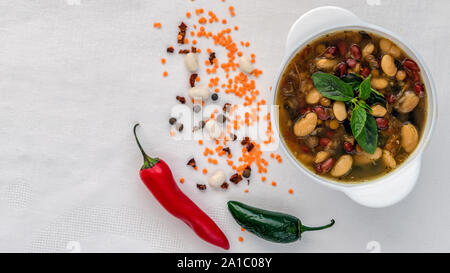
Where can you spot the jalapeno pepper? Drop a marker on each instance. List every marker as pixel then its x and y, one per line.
pixel 269 225
pixel 158 178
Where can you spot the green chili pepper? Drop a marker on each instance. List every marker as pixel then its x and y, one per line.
pixel 270 225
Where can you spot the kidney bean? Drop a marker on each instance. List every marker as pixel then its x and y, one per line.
pixel 321 112
pixel 382 123
pixel 303 111
pixel 355 50
pixel 416 77
pixel 348 147
pixel 351 63
pixel 330 52
pixel 342 69
pixel 411 65
pixel 327 165
pixel 330 133
pixel 365 72
pixel 305 149
pixel 419 89
pixel 391 98
pixel 318 168
pixel 342 47
pixel 324 141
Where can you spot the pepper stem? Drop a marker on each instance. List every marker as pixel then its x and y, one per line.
pixel 306 228
pixel 149 162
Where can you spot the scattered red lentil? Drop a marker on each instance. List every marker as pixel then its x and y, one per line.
pixel 291 191
pixel 241 239
pixel 157 25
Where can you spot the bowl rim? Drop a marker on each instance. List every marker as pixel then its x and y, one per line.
pixel 431 104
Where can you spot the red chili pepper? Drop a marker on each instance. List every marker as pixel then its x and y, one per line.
pixel 158 178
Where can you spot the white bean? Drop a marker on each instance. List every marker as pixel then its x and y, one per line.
pixel 199 92
pixel 191 61
pixel 342 166
pixel 339 110
pixel 363 158
pixel 407 102
pixel 388 65
pixel 245 65
pixel 378 111
pixel 409 137
pixel 305 125
pixel 213 129
pixel 389 160
pixel 217 179
pixel 313 96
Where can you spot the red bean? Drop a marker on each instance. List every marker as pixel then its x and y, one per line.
pixel 330 133
pixel 391 99
pixel 351 63
pixel 348 147
pixel 303 111
pixel 324 141
pixel 355 50
pixel 330 52
pixel 365 72
pixel 419 89
pixel 327 165
pixel 342 47
pixel 416 76
pixel 318 168
pixel 382 123
pixel 342 69
pixel 305 149
pixel 321 113
pixel 411 65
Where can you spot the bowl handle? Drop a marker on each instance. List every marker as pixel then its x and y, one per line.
pixel 390 191
pixel 317 20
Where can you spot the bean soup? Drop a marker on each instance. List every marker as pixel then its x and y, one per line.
pixel 352 106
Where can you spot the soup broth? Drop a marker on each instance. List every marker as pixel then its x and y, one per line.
pixel 317 129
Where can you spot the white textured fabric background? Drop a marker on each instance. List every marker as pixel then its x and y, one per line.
pixel 75 75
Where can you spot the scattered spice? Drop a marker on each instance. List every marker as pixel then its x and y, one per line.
pixel 247 171
pixel 182 33
pixel 192 163
pixel 227 107
pixel 172 121
pixel 183 51
pixel 192 79
pixel 201 187
pixel 236 178
pixel 170 49
pixel 212 56
pixel 181 99
pixel 227 150
pixel 180 127
pixel 224 185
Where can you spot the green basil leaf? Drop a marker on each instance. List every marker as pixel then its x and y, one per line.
pixel 332 87
pixel 364 105
pixel 368 138
pixel 353 79
pixel 375 98
pixel 358 120
pixel 377 92
pixel 365 89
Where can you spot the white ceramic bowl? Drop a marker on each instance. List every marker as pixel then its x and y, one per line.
pixel 396 185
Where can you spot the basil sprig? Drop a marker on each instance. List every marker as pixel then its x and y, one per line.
pixel 364 126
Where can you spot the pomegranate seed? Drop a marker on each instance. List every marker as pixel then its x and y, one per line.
pixel 330 52
pixel 382 123
pixel 305 149
pixel 348 147
pixel 342 46
pixel 365 72
pixel 390 99
pixel 324 141
pixel 342 69
pixel 321 113
pixel 419 89
pixel 327 164
pixel 411 65
pixel 355 50
pixel 351 63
